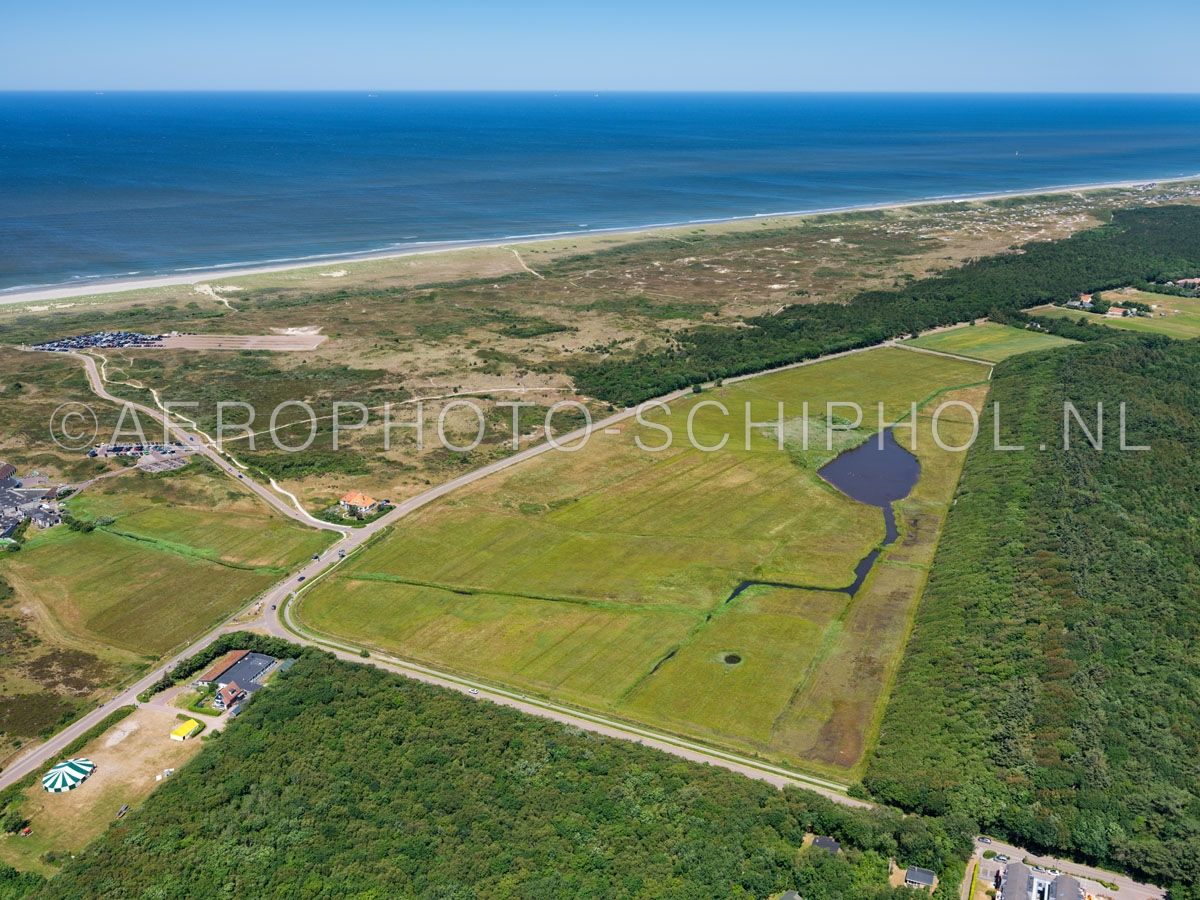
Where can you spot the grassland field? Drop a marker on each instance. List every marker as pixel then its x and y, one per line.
pixel 1176 317
pixel 128 756
pixel 87 610
pixel 988 341
pixel 184 551
pixel 600 578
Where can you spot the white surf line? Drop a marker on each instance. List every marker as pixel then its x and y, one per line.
pixel 192 275
pixel 514 252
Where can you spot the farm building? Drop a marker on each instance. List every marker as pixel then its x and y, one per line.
pixel 185 730
pixel 245 667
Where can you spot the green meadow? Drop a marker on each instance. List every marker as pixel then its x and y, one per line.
pixel 183 551
pixel 1177 317
pixel 603 577
pixel 988 341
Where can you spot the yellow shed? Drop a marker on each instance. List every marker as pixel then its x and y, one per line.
pixel 185 730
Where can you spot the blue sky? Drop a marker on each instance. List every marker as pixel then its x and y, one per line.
pixel 919 45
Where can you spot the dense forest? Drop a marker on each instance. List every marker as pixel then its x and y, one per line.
pixel 341 780
pixel 1139 245
pixel 1052 683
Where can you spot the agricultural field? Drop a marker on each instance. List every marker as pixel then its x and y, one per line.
pixel 988 341
pixel 183 550
pixel 46 676
pixel 606 577
pixel 1177 317
pixel 82 611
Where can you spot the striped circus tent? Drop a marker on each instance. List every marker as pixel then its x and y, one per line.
pixel 67 775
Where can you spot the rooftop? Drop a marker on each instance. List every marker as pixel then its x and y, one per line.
pixel 917 875
pixel 219 667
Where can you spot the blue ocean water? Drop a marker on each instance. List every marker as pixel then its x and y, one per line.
pixel 105 185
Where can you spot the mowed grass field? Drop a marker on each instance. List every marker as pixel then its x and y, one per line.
pixel 602 578
pixel 988 341
pixel 1177 317
pixel 184 551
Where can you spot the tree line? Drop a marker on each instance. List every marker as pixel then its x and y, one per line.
pixel 342 780
pixel 1138 245
pixel 1052 683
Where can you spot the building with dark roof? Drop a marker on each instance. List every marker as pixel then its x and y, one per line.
pixel 228 695
pixel 220 667
pixel 916 877
pixel 1064 887
pixel 1018 882
pixel 1023 883
pixel 828 844
pixel 245 667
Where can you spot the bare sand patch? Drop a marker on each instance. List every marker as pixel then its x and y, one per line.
pixel 128 757
pixel 277 342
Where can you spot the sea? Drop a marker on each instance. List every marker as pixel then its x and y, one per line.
pixel 114 186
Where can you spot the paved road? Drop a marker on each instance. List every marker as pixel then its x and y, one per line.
pixel 275 616
pixel 190 439
pixel 1090 877
pixel 352 539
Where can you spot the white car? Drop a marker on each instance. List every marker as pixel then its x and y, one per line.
pixel 473 692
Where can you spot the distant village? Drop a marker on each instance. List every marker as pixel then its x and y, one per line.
pixel 27 500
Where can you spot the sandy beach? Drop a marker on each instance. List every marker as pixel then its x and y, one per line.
pixel 201 275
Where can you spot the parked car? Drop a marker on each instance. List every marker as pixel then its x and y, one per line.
pixel 301 578
pixel 984 840
pixel 124 809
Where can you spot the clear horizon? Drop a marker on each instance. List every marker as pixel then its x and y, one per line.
pixel 531 45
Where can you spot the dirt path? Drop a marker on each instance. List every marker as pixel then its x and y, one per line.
pixel 517 254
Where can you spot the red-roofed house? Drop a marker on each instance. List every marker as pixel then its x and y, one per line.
pixel 228 696
pixel 357 503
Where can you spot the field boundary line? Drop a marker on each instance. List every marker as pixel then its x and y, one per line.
pixel 448 679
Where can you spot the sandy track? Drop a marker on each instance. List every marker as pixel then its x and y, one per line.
pixel 280 342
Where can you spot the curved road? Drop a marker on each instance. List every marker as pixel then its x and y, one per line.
pixel 189 439
pixel 352 539
pixel 279 598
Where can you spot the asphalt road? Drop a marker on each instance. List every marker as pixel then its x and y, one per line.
pixel 190 439
pixel 275 617
pixel 36 756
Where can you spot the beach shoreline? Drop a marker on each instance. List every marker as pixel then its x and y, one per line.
pixel 198 275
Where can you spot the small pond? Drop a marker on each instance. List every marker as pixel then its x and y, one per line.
pixel 877 473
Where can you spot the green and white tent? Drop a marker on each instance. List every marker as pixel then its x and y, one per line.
pixel 67 775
